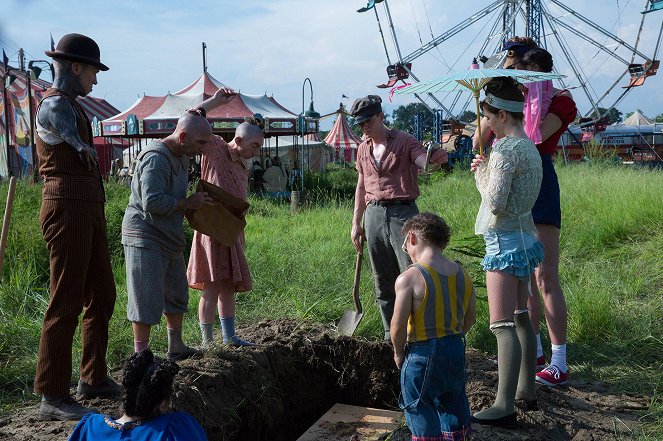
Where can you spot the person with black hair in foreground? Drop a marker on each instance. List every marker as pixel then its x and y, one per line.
pixel 147 385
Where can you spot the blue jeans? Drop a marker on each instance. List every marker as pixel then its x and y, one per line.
pixel 433 388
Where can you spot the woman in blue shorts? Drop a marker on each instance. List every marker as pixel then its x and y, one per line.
pixel 509 183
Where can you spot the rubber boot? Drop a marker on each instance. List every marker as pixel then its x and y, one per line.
pixel 526 389
pixel 502 413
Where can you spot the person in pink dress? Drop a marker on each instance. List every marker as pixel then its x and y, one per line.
pixel 217 270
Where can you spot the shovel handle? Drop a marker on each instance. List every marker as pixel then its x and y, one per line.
pixel 7 217
pixel 355 286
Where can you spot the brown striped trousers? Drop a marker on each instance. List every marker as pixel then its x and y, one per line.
pixel 81 281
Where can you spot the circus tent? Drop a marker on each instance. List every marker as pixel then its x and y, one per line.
pixel 20 146
pixel 156 116
pixel 343 138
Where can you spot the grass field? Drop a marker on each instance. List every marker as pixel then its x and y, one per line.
pixel 302 265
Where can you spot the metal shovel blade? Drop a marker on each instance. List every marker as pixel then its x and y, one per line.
pixel 351 319
pixel 349 322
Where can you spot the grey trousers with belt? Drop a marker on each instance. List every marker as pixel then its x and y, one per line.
pixel 382 225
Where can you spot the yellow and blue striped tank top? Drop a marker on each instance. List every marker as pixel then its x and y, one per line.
pixel 443 307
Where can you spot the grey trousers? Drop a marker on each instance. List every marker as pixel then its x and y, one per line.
pixel 384 240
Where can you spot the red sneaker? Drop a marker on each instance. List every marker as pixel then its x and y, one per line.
pixel 540 363
pixel 552 376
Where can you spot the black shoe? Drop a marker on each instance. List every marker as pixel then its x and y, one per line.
pixel 187 353
pixel 528 405
pixel 506 422
pixel 62 409
pixel 107 389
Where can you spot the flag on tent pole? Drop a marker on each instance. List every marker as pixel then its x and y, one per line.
pixel 370 5
pixel 52 43
pixel 345 96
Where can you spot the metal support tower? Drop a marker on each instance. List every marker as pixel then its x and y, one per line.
pixel 508 23
pixel 534 14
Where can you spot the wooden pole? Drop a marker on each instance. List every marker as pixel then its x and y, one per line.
pixel 7 217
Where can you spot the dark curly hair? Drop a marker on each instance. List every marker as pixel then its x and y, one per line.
pixel 507 89
pixel 540 57
pixel 430 228
pixel 147 381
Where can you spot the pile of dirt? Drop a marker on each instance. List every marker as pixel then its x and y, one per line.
pixel 280 388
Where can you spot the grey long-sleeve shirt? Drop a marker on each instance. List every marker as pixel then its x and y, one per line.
pixel 151 219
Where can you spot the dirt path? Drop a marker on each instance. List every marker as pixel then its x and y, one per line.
pixel 277 390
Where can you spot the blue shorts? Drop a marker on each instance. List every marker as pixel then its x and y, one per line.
pixel 547 209
pixel 514 253
pixel 433 394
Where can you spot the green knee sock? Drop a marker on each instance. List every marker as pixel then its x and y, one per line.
pixel 508 354
pixel 207 332
pixel 526 389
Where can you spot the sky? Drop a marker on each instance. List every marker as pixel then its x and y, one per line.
pixel 154 46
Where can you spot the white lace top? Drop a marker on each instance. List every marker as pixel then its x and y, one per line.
pixel 509 185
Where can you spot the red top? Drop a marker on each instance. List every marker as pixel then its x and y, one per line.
pixel 565 108
pixel 396 177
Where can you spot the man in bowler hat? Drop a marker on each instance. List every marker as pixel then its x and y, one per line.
pixel 388 162
pixel 74 228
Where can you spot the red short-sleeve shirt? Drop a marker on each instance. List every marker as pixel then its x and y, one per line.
pixel 396 176
pixel 565 109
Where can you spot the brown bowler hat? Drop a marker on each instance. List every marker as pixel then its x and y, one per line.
pixel 77 47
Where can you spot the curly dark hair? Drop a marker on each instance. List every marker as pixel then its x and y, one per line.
pixel 147 381
pixel 430 228
pixel 506 88
pixel 540 57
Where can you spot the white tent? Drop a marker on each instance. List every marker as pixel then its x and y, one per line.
pixel 637 119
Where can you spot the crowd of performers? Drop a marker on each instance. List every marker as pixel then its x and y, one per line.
pixel 427 302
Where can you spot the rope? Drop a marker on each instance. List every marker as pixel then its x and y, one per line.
pixel 430 28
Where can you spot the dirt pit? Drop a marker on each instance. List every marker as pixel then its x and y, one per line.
pixel 277 390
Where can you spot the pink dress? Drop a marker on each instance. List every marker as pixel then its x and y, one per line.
pixel 210 260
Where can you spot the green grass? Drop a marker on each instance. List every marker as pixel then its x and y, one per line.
pixel 303 267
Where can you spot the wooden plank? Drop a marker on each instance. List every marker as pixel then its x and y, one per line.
pixel 344 422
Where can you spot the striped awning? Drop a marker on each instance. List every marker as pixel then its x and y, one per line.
pixel 341 135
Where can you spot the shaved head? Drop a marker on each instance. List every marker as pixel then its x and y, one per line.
pixel 193 125
pixel 248 140
pixel 249 131
pixel 192 134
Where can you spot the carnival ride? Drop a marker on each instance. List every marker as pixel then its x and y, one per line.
pixel 552 25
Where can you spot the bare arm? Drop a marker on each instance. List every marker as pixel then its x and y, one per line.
pixel 486 134
pixel 402 307
pixel 221 97
pixel 56 114
pixel 549 125
pixel 437 158
pixel 357 233
pixel 470 313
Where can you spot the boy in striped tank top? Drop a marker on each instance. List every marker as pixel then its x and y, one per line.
pixel 434 309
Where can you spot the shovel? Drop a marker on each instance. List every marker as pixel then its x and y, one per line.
pixel 351 319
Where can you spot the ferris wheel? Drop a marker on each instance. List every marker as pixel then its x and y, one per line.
pixel 552 25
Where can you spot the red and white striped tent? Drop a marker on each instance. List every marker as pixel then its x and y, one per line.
pixel 343 139
pixel 20 147
pixel 156 116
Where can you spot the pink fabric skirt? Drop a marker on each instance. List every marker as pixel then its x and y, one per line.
pixel 211 261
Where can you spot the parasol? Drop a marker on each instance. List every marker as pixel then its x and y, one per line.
pixel 474 80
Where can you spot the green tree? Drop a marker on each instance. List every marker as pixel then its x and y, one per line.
pixel 614 115
pixel 403 118
pixel 468 116
pixel 659 118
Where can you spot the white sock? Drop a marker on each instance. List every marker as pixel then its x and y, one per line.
pixel 559 357
pixel 539 348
